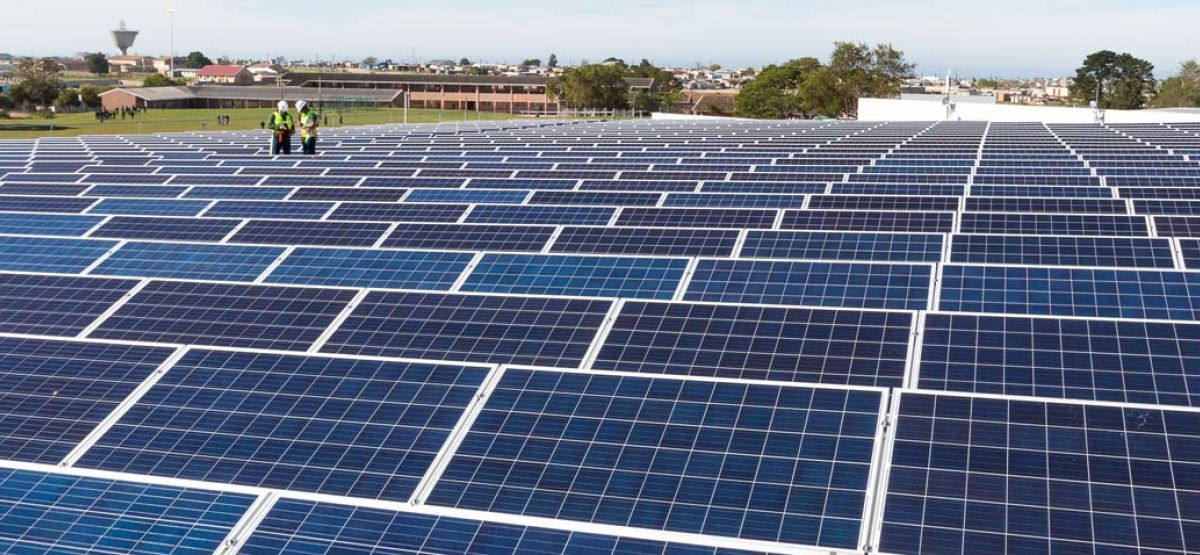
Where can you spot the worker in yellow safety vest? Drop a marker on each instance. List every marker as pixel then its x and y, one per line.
pixel 282 126
pixel 308 127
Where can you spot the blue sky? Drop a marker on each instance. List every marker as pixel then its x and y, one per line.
pixel 1001 38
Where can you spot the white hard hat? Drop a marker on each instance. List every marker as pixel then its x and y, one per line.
pixel 282 105
pixel 300 104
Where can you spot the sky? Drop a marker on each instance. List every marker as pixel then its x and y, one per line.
pixel 1009 38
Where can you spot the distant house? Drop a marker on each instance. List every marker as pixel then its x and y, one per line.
pixel 265 73
pixel 224 75
pixel 162 64
pixel 123 64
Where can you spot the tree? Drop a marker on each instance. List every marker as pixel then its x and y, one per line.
pixel 90 96
pixel 370 61
pixel 714 67
pixel 774 93
pixel 38 81
pixel 196 60
pixel 601 87
pixel 553 62
pixel 97 63
pixel 1118 81
pixel 67 98
pixel 157 80
pixel 464 62
pixel 861 71
pixel 532 62
pixel 1182 90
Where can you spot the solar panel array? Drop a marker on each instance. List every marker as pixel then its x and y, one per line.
pixel 606 337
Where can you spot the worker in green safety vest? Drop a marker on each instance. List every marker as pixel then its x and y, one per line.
pixel 281 124
pixel 308 127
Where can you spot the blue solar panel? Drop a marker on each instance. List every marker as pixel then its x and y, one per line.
pixel 592 276
pixel 189 261
pixel 818 245
pixel 1102 360
pixel 430 270
pixel 467 196
pixel 266 193
pixel 850 220
pixel 233 315
pixel 294 526
pixel 991 475
pixel 341 234
pixel 159 191
pixel 327 425
pixel 760 462
pixel 469 237
pixel 1071 292
pixel 44 514
pixel 149 207
pixel 53 393
pixel 540 214
pixel 59 255
pixel 171 229
pixel 56 305
pixel 697 217
pixel 12 203
pixel 268 209
pixel 651 241
pixel 734 200
pixel 1054 224
pixel 831 284
pixel 346 193
pixel 405 212
pixel 1134 252
pixel 46 224
pixel 471 328
pixel 771 343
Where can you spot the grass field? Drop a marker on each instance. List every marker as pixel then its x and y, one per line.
pixel 160 121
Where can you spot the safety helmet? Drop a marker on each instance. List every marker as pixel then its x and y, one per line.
pixel 282 106
pixel 300 104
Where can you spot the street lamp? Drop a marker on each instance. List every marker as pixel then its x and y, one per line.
pixel 171 17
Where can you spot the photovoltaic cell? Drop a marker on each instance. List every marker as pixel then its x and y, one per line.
pixel 57 255
pixel 470 237
pixel 540 214
pixel 649 241
pixel 46 224
pixel 471 328
pixel 821 245
pixel 831 284
pixel 340 234
pixel 405 212
pixel 1134 252
pixel 168 229
pixel 232 315
pixel 766 462
pixel 431 270
pixel 56 305
pixel 697 217
pixel 1054 224
pixel 189 261
pixel 850 220
pixel 148 207
pixel 361 428
pixel 592 276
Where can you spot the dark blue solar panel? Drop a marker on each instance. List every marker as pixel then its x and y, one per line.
pixel 42 189
pixel 850 220
pixel 294 526
pixel 697 217
pixel 171 229
pixel 405 212
pixel 832 284
pixel 883 202
pixel 46 224
pixel 470 237
pixel 149 207
pixel 13 203
pixel 189 261
pixel 1102 360
pixel 734 200
pixel 471 328
pixel 342 234
pixel 467 196
pixel 345 193
pixel 267 317
pixel 881 247
pixel 620 198
pixel 1071 292
pixel 987 475
pixel 782 344
pixel 53 393
pixel 430 270
pixel 56 305
pixel 268 209
pixel 59 514
pixel 161 191
pixel 1054 224
pixel 478 183
pixel 266 193
pixel 362 428
pixel 1134 252
pixel 545 215
pixel 652 241
pixel 767 462
pixel 592 276
pixel 59 255
pixel 1055 205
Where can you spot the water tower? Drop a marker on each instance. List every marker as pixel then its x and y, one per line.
pixel 123 38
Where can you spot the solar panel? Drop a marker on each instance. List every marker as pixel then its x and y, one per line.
pixel 765 462
pixel 1054 224
pixel 647 241
pixel 361 428
pixel 593 276
pixel 29 203
pixel 539 214
pixel 189 261
pixel 820 245
pixel 53 393
pixel 831 284
pixel 232 315
pixel 1134 252
pixel 469 237
pixel 268 209
pixel 378 212
pixel 282 232
pixel 66 514
pixel 148 207
pixel 696 217
pixel 57 255
pixel 849 220
pixel 541 331
pixel 429 270
pixel 991 475
pixel 56 305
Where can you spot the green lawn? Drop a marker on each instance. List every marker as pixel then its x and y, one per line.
pixel 160 121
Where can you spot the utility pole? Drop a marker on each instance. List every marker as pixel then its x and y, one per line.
pixel 171 22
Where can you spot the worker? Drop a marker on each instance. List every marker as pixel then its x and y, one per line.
pixel 308 127
pixel 281 124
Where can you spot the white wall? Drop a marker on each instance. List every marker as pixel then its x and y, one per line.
pixel 879 109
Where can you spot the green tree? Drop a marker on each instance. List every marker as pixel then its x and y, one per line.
pixel 464 62
pixel 599 86
pixel 67 98
pixel 774 93
pixel 1181 90
pixel 714 67
pixel 38 82
pixel 370 61
pixel 97 63
pixel 196 60
pixel 532 62
pixel 1118 81
pixel 553 62
pixel 91 95
pixel 159 80
pixel 861 71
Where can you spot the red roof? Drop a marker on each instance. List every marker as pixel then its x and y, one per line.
pixel 220 71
